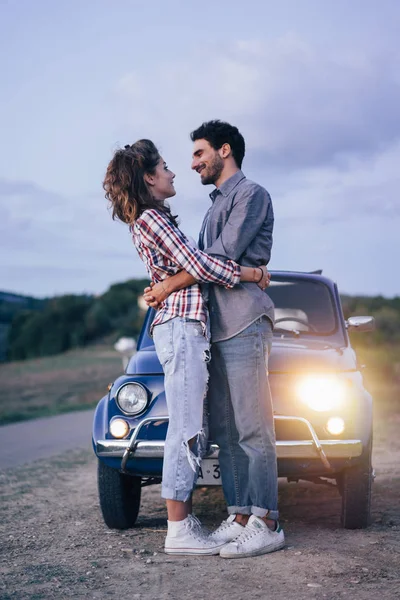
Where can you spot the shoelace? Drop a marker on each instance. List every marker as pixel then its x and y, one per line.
pixel 195 521
pixel 194 526
pixel 247 534
pixel 224 525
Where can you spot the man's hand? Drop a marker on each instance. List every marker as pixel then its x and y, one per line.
pixel 265 280
pixel 156 294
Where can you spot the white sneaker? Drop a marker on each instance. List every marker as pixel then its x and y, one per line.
pixel 227 531
pixel 257 538
pixel 186 537
pixel 199 526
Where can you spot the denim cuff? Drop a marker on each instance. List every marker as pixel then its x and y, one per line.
pixel 239 510
pixel 171 494
pixel 257 511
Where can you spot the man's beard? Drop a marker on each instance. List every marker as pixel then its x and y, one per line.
pixel 214 170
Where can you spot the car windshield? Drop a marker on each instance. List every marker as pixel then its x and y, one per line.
pixel 303 307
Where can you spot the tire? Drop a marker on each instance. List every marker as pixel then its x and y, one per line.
pixel 119 497
pixel 355 486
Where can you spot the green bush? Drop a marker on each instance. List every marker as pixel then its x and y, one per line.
pixel 69 321
pixel 386 312
pixel 45 327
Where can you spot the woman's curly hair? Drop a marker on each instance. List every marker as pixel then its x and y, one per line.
pixel 125 186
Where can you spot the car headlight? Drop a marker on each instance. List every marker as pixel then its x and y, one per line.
pixel 132 398
pixel 322 393
pixel 119 428
pixel 335 425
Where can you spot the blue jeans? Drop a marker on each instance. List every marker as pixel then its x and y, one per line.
pixel 241 420
pixel 184 351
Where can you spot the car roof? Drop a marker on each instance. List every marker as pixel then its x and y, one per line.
pixel 302 275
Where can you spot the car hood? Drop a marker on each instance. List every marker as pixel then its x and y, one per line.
pixel 287 356
pixel 291 355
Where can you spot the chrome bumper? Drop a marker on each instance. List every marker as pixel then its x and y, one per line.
pixel 299 449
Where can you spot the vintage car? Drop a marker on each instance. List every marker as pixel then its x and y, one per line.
pixel 322 411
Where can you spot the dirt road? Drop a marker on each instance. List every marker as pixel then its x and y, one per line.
pixel 54 543
pixel 22 443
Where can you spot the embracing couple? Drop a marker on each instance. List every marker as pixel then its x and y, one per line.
pixel 214 289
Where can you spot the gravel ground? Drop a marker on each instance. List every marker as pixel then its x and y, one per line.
pixel 54 543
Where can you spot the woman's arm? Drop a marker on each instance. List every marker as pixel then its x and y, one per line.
pixel 159 292
pixel 159 235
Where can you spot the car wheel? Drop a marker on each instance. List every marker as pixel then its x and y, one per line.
pixel 119 496
pixel 355 487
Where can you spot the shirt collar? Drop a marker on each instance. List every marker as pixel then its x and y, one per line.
pixel 226 188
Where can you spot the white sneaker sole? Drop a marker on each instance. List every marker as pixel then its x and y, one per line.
pixel 259 552
pixel 194 551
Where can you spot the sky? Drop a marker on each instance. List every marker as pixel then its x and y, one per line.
pixel 313 86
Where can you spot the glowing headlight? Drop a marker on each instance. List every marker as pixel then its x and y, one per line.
pixel 335 425
pixel 322 393
pixel 132 398
pixel 119 428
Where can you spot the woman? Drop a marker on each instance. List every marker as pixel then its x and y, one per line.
pixel 137 184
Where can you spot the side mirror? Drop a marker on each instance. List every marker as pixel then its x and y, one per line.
pixel 360 324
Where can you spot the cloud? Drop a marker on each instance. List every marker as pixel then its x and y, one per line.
pixel 60 244
pixel 297 106
pixel 322 134
pixel 366 188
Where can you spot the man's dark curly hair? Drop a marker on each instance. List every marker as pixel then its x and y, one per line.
pixel 217 133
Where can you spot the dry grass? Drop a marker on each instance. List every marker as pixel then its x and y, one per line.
pixel 78 379
pixel 55 384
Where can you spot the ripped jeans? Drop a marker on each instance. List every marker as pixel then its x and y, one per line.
pixel 184 352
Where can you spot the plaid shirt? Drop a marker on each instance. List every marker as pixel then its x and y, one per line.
pixel 165 251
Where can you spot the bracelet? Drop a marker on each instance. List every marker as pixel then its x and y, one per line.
pixel 165 291
pixel 262 274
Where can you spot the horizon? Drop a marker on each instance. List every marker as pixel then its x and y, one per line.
pixel 96 295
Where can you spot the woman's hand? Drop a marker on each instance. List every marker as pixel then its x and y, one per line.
pixel 155 295
pixel 265 279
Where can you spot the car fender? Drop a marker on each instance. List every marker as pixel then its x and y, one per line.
pixel 100 421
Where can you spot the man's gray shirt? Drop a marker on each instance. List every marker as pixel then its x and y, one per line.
pixel 238 226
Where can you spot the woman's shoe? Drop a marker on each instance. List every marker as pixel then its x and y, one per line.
pixel 186 537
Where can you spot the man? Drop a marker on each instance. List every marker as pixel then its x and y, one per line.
pixel 238 226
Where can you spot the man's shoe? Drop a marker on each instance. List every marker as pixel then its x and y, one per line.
pixel 257 538
pixel 227 531
pixel 186 537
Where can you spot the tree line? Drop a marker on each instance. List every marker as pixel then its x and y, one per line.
pixel 31 328
pixel 386 312
pixel 58 324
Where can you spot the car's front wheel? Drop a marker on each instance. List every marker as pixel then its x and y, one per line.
pixel 119 496
pixel 355 487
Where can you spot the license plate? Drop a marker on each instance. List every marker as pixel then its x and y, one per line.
pixel 209 473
